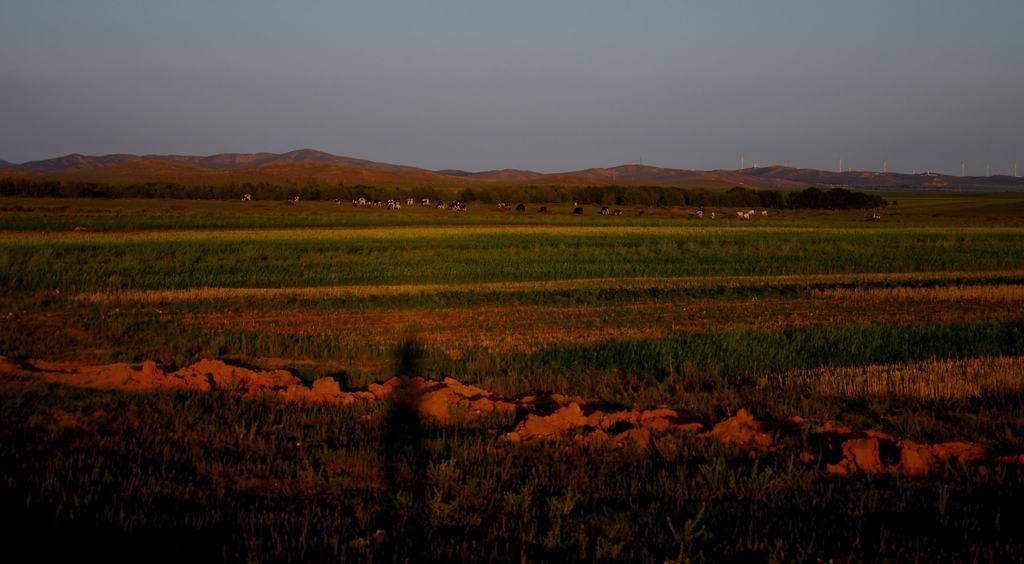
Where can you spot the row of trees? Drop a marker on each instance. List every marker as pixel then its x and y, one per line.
pixel 837 198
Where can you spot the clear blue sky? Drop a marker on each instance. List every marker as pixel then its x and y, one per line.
pixel 546 85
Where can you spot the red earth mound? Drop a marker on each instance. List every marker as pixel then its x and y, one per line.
pixel 844 451
pixel 437 400
pixel 864 455
pixel 600 427
pixel 741 429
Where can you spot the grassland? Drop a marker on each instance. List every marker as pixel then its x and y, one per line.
pixel 912 325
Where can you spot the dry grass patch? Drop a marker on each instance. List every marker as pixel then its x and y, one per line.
pixel 930 380
pixel 982 292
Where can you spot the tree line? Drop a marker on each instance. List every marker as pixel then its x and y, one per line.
pixel 809 198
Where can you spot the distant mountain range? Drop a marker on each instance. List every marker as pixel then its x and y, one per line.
pixel 310 165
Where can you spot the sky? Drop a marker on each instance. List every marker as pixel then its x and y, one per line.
pixel 543 85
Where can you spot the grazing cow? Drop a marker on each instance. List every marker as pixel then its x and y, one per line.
pixel 361 201
pixel 337 201
pixel 521 207
pixel 700 214
pixel 377 204
pixel 409 201
pixel 293 199
pixel 764 213
pixel 503 206
pixel 425 202
pixel 543 209
pixel 439 205
pixel 246 197
pixel 604 210
pixel 577 211
pixel 875 217
pixel 616 211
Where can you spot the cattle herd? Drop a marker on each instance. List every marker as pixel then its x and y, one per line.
pixel 458 205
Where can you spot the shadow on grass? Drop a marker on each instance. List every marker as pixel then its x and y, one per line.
pixel 405 461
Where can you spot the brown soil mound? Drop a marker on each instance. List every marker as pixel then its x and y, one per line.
pixel 859 455
pixel 597 427
pixel 205 375
pixel 843 450
pixel 594 426
pixel 741 429
pixel 437 400
pixel 864 455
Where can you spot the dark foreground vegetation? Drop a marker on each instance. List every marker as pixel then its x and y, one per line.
pixel 207 476
pixel 811 198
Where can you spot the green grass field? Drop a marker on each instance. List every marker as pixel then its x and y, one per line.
pixel 707 316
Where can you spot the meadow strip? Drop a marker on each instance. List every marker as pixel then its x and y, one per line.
pixel 445 232
pixel 488 256
pixel 1004 292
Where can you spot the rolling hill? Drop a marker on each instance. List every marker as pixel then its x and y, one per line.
pixel 306 165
